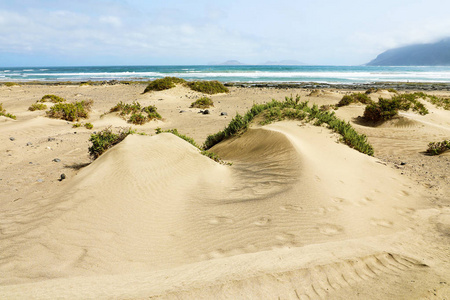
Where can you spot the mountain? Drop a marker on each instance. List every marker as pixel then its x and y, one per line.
pixel 232 63
pixel 288 62
pixel 434 54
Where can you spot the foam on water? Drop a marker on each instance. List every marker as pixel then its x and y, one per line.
pixel 330 74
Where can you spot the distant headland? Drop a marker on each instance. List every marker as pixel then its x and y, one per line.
pixel 433 54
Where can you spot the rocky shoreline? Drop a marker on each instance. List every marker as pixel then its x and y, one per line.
pixel 422 86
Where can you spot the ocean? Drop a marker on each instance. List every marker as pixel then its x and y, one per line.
pixel 246 73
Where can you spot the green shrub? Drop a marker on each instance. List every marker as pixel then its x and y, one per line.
pixel 5 114
pixel 70 111
pixel 354 98
pixel 203 102
pixel 386 109
pixel 106 139
pixel 88 126
pixel 37 106
pixel 137 119
pixel 52 98
pixel 292 109
pixel 163 84
pixel 135 113
pixel 9 84
pixel 436 148
pixel 76 125
pixel 208 87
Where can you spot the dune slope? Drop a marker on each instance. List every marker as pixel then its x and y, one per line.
pixel 297 215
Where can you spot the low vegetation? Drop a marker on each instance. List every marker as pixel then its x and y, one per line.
pixel 37 106
pixel 386 109
pixel 106 139
pixel 292 109
pixel 354 98
pixel 203 102
pixel 435 100
pixel 208 87
pixel 5 114
pixel 52 98
pixel 88 126
pixel 436 148
pixel 9 84
pixel 163 84
pixel 135 113
pixel 76 125
pixel 190 140
pixel 70 111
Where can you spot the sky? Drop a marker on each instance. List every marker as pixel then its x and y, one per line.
pixel 197 32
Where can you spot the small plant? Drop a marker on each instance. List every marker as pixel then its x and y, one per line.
pixel 70 111
pixel 208 87
pixel 10 84
pixel 5 114
pixel 354 98
pixel 137 119
pixel 88 126
pixel 37 106
pixel 391 90
pixel 386 109
pixel 135 113
pixel 436 148
pixel 106 139
pixel 76 125
pixel 203 102
pixel 52 98
pixel 163 84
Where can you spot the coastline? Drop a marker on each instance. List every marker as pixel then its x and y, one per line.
pixel 401 86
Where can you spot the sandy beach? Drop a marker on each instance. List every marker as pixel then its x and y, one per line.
pixel 297 214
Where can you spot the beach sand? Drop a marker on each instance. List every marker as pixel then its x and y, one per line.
pixel 298 215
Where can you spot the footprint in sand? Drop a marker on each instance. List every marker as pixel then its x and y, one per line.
pixel 330 229
pixel 291 207
pixel 285 237
pixel 263 221
pixel 381 222
pixel 220 220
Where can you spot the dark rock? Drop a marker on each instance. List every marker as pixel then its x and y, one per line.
pixel 56 160
pixel 75 132
pixel 51 139
pixel 30 163
pixel 62 177
pixel 200 111
pixel 182 111
pixel 29 144
pixel 12 139
pixel 223 114
pixel 206 112
pixel 402 163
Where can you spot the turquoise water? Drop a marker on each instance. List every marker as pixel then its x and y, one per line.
pixel 323 74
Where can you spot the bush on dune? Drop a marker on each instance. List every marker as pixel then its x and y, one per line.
pixel 203 102
pixel 52 98
pixel 106 139
pixel 5 114
pixel 292 109
pixel 208 87
pixel 37 106
pixel 354 98
pixel 70 111
pixel 136 113
pixel 163 84
pixel 436 148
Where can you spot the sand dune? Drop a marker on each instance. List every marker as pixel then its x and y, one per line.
pixel 297 215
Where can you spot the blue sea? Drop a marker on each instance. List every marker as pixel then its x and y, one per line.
pixel 246 73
